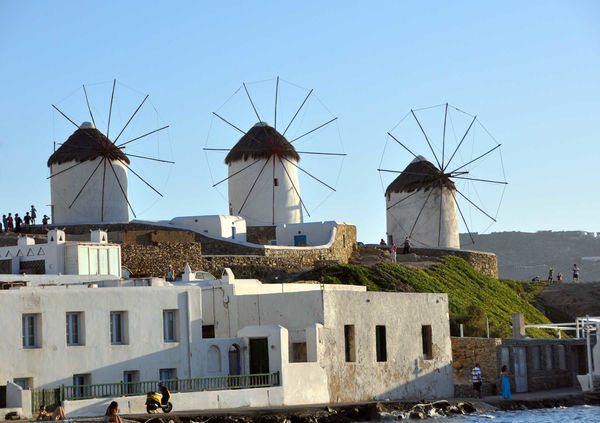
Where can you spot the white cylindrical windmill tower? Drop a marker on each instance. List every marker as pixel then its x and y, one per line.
pixel 421 205
pixel 88 179
pixel 263 178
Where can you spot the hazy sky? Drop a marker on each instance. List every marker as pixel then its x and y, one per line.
pixel 529 71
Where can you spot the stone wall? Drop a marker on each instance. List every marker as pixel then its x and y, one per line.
pixel 466 352
pixel 148 250
pixel 545 370
pixel 486 263
pixel 152 260
pixel 260 234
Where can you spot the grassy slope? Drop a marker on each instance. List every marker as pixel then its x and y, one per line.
pixel 472 295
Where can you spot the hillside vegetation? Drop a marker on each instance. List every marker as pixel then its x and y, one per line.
pixel 472 295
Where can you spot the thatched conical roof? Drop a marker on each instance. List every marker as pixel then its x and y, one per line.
pixel 86 143
pixel 261 141
pixel 419 174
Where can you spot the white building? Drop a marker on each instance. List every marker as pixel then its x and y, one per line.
pixel 306 234
pixel 224 226
pixel 84 187
pixel 321 343
pixel 60 257
pixel 421 204
pixel 263 178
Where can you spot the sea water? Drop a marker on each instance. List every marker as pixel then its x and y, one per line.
pixel 581 414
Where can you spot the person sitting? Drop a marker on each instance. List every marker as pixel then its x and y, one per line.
pixel 57 414
pixel 112 413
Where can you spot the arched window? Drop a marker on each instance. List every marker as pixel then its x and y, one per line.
pixel 213 359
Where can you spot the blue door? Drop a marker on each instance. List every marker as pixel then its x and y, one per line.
pixel 299 240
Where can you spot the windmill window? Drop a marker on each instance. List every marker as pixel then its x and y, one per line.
pixel 275 182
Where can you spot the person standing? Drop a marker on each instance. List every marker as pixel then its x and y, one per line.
pixel 9 221
pixel 33 214
pixel 505 382
pixel 575 273
pixel 406 246
pixel 551 275
pixel 559 277
pixel 170 276
pixel 5 223
pixel 18 222
pixel 27 220
pixel 393 252
pixel 45 221
pixel 477 381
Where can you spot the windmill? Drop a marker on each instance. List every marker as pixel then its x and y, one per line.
pixel 89 171
pixel 424 201
pixel 263 166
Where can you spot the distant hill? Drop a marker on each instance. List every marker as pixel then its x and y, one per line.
pixel 524 255
pixel 472 295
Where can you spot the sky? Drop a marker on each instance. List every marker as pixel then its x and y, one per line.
pixel 528 70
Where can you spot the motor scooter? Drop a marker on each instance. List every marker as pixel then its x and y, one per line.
pixel 154 401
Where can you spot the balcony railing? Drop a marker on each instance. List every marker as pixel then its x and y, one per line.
pixel 212 383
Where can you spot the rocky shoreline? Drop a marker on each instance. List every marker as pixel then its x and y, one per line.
pixel 372 411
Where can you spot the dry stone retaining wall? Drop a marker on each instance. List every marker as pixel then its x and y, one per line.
pixel 486 263
pixel 466 352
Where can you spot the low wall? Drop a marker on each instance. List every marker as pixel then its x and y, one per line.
pixel 466 352
pixel 185 401
pixel 486 263
pixel 148 249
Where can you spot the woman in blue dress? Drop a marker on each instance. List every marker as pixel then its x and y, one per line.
pixel 505 383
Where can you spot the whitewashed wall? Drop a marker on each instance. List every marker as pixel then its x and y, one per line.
pixel 218 225
pixel 55 363
pixel 258 209
pixel 317 233
pixel 406 374
pixel 87 208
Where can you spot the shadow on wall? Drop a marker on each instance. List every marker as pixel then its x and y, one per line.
pixel 425 385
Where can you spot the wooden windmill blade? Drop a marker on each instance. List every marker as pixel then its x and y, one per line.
pixel 87 144
pixel 262 150
pixel 424 200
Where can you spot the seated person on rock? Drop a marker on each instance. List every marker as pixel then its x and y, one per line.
pixel 57 414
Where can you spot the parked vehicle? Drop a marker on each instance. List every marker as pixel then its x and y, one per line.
pixel 155 401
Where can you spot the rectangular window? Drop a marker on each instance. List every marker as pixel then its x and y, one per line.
pixel 562 360
pixel 93 261
pixel 168 374
pixel 350 347
pixel 427 342
pixel 74 328
pixel 208 331
pixel 30 324
pixel 118 326
pixel 103 261
pixel 81 381
pixel 170 325
pixel 130 377
pixel 380 343
pixel 548 357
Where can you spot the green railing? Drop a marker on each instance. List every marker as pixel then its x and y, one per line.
pixel 213 383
